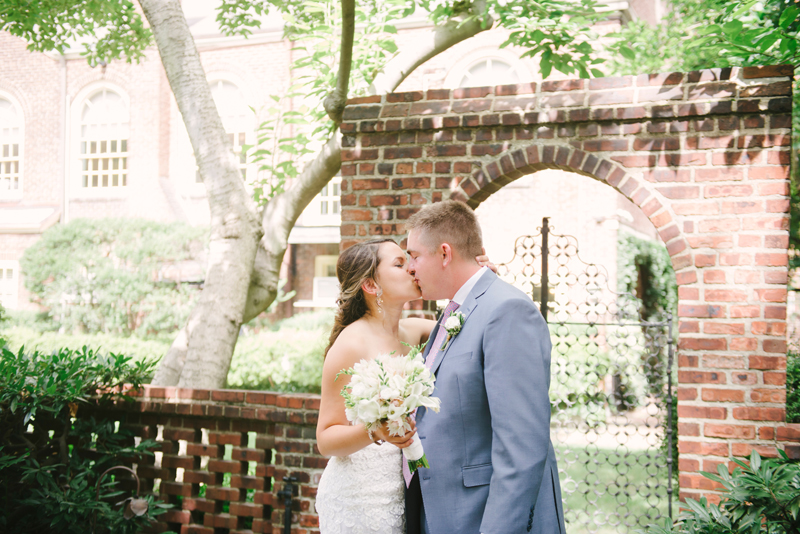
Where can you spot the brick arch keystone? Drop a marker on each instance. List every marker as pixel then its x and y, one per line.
pixel 704 154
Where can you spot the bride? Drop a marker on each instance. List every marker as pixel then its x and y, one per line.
pixel 362 490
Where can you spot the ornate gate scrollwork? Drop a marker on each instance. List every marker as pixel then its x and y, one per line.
pixel 611 388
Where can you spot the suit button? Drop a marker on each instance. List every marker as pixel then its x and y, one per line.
pixel 426 478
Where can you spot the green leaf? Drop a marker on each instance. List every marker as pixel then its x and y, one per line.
pixel 789 16
pixel 627 53
pixel 732 28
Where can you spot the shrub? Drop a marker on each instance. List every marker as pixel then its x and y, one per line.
pixel 114 275
pixel 51 461
pixel 793 387
pixel 762 497
pixel 133 346
pixel 288 358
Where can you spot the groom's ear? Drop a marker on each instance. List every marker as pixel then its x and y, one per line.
pixel 446 253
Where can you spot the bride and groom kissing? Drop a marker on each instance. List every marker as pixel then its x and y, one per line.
pixel 492 465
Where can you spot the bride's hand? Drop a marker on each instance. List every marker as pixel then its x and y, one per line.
pixel 483 261
pixel 382 433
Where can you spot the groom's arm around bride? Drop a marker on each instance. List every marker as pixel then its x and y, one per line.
pixel 493 468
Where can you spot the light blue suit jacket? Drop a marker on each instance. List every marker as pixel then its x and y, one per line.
pixel 492 466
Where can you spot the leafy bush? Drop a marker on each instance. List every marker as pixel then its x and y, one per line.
pixel 763 497
pixel 288 358
pixel 133 346
pixel 114 275
pixel 52 462
pixel 793 387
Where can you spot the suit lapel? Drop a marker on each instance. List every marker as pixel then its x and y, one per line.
pixel 469 305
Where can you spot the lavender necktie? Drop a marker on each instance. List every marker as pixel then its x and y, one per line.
pixel 432 354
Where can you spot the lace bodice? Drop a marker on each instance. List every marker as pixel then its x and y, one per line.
pixel 363 493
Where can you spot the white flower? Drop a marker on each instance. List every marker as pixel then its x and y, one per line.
pixel 452 323
pixel 368 410
pixel 453 326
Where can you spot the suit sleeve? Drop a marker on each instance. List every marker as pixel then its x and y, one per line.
pixel 516 347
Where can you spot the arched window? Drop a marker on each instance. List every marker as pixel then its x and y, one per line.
pixel 104 141
pixel 237 119
pixel 10 144
pixel 489 71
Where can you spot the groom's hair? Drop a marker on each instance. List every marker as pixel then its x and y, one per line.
pixel 448 222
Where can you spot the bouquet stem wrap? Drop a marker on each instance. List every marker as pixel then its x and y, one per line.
pixel 415 454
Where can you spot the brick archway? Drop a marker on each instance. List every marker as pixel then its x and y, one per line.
pixel 509 166
pixel 705 155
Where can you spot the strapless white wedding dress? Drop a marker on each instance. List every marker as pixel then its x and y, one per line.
pixel 363 493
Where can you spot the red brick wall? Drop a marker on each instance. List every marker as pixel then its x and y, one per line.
pixel 704 155
pixel 283 429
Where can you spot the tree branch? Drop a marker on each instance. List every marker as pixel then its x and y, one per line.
pixel 439 39
pixel 335 102
pixel 282 212
pixel 280 216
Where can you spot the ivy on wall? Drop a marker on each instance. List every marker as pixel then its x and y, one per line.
pixel 644 270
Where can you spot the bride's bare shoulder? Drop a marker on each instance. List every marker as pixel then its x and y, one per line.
pixel 350 347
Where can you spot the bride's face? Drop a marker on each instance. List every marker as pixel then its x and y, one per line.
pixel 395 281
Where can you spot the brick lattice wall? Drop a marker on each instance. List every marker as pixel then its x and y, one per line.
pixel 214 438
pixel 705 155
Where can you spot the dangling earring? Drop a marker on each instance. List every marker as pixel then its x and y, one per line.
pixel 380 301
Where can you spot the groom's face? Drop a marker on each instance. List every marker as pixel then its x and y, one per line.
pixel 425 266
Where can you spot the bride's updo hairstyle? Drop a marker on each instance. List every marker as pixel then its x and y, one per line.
pixel 356 265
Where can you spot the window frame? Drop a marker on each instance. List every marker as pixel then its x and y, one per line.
pixel 462 66
pixel 77 190
pixel 12 301
pixel 15 194
pixel 185 164
pixel 313 216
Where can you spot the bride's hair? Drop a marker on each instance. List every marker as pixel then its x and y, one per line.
pixel 356 265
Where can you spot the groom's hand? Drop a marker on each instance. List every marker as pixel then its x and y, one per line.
pixel 382 432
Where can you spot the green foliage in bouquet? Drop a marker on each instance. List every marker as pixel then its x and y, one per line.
pixel 51 460
pixel 760 498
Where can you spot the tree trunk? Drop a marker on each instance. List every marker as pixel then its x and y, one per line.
pixel 213 326
pixel 244 267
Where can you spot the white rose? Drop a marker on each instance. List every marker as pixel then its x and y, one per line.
pixel 368 410
pixel 389 393
pixel 452 322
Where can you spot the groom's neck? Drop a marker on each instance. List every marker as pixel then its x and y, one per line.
pixel 460 272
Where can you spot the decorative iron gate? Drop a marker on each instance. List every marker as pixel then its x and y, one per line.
pixel 611 388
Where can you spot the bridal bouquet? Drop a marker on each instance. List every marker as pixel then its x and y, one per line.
pixel 387 389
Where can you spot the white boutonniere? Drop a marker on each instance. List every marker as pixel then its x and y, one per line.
pixel 453 326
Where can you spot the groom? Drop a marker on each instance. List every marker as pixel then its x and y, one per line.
pixel 492 465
